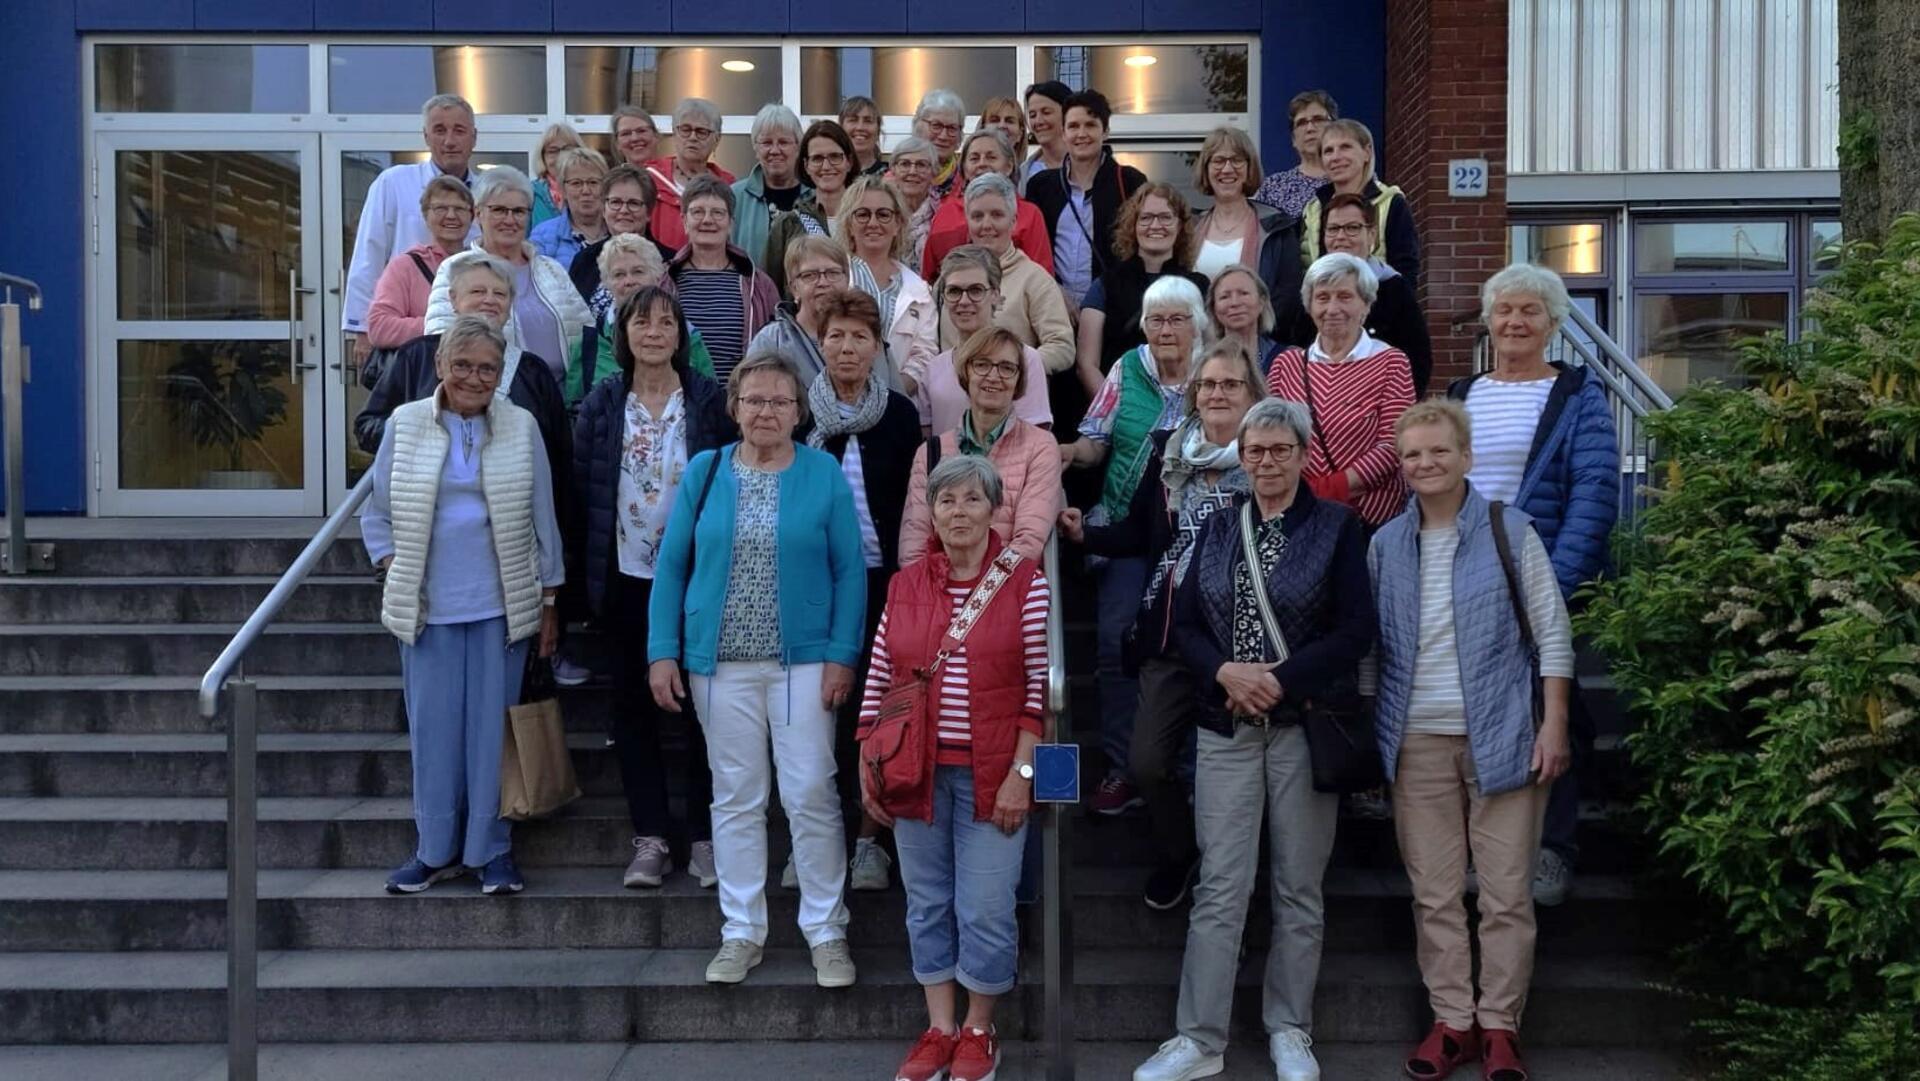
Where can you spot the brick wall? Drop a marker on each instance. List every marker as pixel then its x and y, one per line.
pixel 1447 99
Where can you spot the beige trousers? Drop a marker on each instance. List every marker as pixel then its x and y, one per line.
pixel 1440 817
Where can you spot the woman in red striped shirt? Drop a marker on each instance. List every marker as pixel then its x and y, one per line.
pixel 1354 386
pixel 983 719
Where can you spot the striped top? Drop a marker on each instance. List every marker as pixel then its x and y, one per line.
pixel 1355 403
pixel 711 299
pixel 952 717
pixel 1504 415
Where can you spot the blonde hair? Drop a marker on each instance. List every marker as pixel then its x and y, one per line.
pixel 1436 411
pixel 1358 132
pixel 984 341
pixel 563 131
pixel 807 244
pixel 575 156
pixel 860 189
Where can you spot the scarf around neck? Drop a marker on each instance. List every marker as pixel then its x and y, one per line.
pixel 1189 454
pixel 825 406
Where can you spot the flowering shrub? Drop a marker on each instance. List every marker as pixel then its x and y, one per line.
pixel 1767 634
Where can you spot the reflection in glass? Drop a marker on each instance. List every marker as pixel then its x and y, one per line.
pixel 1571 248
pixel 400 78
pixel 897 78
pixel 1169 166
pixel 1827 239
pixel 209 414
pixel 200 78
pixel 359 167
pixel 1152 78
pixel 206 234
pixel 738 79
pixel 1679 247
pixel 1686 338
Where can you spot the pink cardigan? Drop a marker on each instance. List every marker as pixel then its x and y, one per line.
pixel 398 313
pixel 1028 460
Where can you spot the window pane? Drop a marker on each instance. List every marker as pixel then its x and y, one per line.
pixel 1689 337
pixel 737 79
pixel 1153 78
pixel 400 78
pixel 734 154
pixel 896 78
pixel 1170 166
pixel 209 414
pixel 200 78
pixel 1678 247
pixel 206 234
pixel 1571 248
pixel 1827 239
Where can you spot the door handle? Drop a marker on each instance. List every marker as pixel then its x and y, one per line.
pixel 294 349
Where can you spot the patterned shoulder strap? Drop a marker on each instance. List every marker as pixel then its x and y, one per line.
pixel 996 575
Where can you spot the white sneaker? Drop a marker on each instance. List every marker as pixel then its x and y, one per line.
pixel 736 958
pixel 1552 879
pixel 1180 1059
pixel 868 868
pixel 568 674
pixel 1292 1059
pixel 833 964
pixel 789 878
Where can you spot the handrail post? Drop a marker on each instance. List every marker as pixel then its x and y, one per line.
pixel 12 385
pixel 1056 853
pixel 243 885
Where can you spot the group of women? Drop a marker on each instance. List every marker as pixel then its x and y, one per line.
pixel 807 486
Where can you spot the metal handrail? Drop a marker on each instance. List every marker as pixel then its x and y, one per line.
pixel 13 380
pixel 1056 903
pixel 243 808
pixel 1056 630
pixel 1642 382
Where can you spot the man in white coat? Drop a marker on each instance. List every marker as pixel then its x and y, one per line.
pixel 391 222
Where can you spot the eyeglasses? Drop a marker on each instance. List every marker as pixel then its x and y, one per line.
pixel 1228 161
pixel 776 143
pixel 624 205
pixel 975 293
pixel 509 211
pixel 486 373
pixel 1162 220
pixel 902 165
pixel 1311 121
pixel 1279 452
pixel 884 215
pixel 688 131
pixel 1353 228
pixel 590 183
pixel 822 275
pixel 1230 386
pixel 988 367
pixel 1167 322
pixel 706 213
pixel 942 127
pixel 763 405
pixel 440 209
pixel 815 161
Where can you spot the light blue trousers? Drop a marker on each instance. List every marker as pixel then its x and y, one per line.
pixel 459 679
pixel 960 875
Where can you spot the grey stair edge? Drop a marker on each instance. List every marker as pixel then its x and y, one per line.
pixel 190 682
pixel 31 581
pixel 205 742
pixel 37 630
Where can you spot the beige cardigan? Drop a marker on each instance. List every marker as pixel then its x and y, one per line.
pixel 1032 306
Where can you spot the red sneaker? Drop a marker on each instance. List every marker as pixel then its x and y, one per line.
pixel 976 1056
pixel 1502 1049
pixel 929 1059
pixel 1116 796
pixel 1442 1052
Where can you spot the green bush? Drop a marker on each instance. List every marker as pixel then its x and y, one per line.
pixel 1765 632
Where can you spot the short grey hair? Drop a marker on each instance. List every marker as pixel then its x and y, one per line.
pixel 501 180
pixel 445 101
pixel 940 100
pixel 1171 291
pixel 1531 280
pixel 468 330
pixel 774 117
pixel 999 139
pixel 1269 414
pixel 461 264
pixel 697 109
pixel 706 186
pixel 766 359
pixel 637 246
pixel 918 146
pixel 993 184
pixel 958 470
pixel 636 112
pixel 1333 266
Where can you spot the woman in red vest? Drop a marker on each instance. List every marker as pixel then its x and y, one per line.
pixel 982 718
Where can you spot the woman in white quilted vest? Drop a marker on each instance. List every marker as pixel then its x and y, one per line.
pixel 462 522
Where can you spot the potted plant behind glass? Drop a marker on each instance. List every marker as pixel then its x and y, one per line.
pixel 226 396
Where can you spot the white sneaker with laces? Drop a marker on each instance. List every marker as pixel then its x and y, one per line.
pixel 1552 879
pixel 833 964
pixel 1292 1056
pixel 1180 1059
pixel 868 868
pixel 652 863
pixel 736 958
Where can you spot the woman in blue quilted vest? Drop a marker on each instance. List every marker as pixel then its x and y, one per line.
pixel 1475 667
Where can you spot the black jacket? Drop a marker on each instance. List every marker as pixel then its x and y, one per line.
pixel 411 377
pixel 1112 183
pixel 598 432
pixel 1396 319
pixel 1280 265
pixel 1125 287
pixel 886 464
pixel 1147 532
pixel 585 269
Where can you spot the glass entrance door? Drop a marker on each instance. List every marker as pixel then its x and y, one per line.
pixel 207 388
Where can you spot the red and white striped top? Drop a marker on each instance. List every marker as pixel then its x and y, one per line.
pixel 1355 403
pixel 953 721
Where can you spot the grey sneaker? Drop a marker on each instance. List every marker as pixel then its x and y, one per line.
pixel 651 863
pixel 1552 879
pixel 1292 1056
pixel 868 869
pixel 833 964
pixel 736 958
pixel 568 674
pixel 700 864
pixel 1179 1059
pixel 789 878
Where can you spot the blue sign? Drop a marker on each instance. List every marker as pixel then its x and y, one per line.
pixel 1056 773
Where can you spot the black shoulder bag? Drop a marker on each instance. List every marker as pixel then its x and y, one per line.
pixel 1510 568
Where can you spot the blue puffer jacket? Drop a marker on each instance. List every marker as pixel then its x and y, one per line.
pixel 598 430
pixel 1571 487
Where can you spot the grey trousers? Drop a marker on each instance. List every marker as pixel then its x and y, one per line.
pixel 1259 771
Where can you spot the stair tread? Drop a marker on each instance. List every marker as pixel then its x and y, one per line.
pixel 202 742
pixel 191 682
pixel 44 630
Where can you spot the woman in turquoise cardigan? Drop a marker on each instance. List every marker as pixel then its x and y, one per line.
pixel 759 589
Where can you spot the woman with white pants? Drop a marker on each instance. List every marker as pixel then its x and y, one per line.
pixel 760 589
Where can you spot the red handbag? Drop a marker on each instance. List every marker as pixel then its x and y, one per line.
pixel 897 750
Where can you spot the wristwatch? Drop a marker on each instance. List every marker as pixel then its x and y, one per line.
pixel 1024 769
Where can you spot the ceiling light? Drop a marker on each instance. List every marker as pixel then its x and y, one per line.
pixel 739 66
pixel 1143 60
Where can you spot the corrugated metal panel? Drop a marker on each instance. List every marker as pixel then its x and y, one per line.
pixel 1604 86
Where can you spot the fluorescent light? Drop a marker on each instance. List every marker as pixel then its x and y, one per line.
pixel 1143 60
pixel 740 66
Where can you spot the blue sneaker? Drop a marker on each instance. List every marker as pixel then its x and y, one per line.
pixel 417 876
pixel 501 876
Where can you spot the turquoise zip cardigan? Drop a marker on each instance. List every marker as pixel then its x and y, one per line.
pixel 822 576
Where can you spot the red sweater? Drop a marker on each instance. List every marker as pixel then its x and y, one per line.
pixel 1355 403
pixel 948 230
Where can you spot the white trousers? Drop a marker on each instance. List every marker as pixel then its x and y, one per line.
pixel 761 718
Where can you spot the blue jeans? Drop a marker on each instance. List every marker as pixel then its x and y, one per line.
pixel 960 875
pixel 1121 582
pixel 459 679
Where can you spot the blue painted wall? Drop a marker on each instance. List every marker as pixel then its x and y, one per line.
pixel 1304 43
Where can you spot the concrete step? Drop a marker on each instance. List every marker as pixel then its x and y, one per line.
pixel 152 833
pixel 836 1061
pixel 149 550
pixel 586 908
pixel 231 599
pixel 166 649
pixel 660 995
